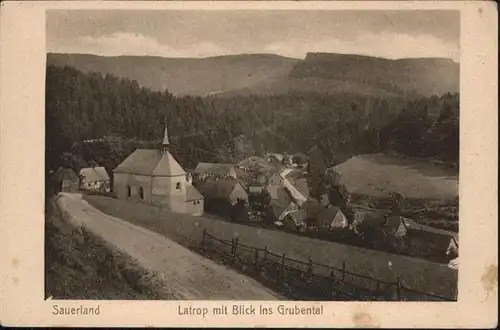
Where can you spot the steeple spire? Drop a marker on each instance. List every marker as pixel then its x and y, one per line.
pixel 165 143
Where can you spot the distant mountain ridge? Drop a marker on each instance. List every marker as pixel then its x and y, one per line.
pixel 273 74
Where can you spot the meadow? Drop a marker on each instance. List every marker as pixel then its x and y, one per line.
pixel 377 175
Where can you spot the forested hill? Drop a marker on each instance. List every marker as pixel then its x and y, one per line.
pixel 183 76
pixel 82 106
pixel 268 74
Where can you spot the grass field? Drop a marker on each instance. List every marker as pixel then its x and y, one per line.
pixel 415 273
pixel 378 175
pixel 79 265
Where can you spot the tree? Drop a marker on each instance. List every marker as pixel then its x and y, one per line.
pixel 333 177
pixel 398 201
pixel 316 173
pixel 338 195
pixel 239 211
pixel 299 159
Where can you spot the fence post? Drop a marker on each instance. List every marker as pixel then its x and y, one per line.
pixel 310 266
pixel 232 245
pixel 398 288
pixel 204 234
pixel 256 259
pixel 343 270
pixel 235 247
pixel 282 269
pixel 265 253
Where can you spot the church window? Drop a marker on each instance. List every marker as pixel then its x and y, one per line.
pixel 129 191
pixel 178 186
pixel 141 192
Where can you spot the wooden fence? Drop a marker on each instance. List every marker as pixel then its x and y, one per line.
pixel 307 280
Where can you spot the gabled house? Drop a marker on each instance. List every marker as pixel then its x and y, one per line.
pixel 295 221
pixel 214 170
pixel 442 242
pixel 94 178
pixel 155 177
pixel 279 211
pixel 226 198
pixel 223 189
pixel 452 249
pixel 274 184
pixel 394 225
pixel 65 180
pixel 332 218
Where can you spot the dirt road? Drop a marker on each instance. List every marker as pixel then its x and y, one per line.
pixel 186 275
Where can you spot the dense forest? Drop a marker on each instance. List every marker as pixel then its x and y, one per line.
pixel 82 107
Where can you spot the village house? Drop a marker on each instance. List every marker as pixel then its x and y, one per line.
pixel 94 178
pixel 224 197
pixel 214 170
pixel 392 225
pixel 438 241
pixel 295 221
pixel 281 206
pixel 279 181
pixel 274 184
pixel 155 177
pixel 65 180
pixel 226 189
pixel 452 249
pixel 332 218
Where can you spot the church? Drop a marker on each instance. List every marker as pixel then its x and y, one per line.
pixel 155 177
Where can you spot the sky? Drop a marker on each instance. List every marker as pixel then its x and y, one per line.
pixel 291 33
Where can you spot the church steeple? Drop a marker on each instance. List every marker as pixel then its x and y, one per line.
pixel 165 144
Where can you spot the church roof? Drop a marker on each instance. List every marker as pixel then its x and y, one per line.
pixel 150 162
pixel 192 194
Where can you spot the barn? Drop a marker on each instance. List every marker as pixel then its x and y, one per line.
pixel 155 177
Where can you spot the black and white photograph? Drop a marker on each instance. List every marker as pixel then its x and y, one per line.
pixel 303 155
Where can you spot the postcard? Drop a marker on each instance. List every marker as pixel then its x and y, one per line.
pixel 251 164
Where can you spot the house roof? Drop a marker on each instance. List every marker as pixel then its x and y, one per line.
pixel 150 162
pixel 255 161
pixel 302 186
pixel 298 217
pixel 284 196
pixel 192 194
pixel 90 174
pixel 221 188
pixel 277 208
pixel 393 223
pixel 65 174
pixel 214 168
pixel 413 225
pixel 378 218
pixel 296 194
